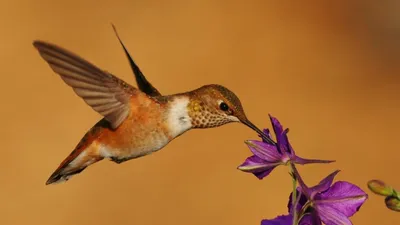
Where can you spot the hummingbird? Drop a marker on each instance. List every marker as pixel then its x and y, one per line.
pixel 135 121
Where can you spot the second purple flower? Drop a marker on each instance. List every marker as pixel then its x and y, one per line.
pixel 266 156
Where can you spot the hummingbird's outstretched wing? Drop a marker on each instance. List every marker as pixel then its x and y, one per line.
pixel 105 93
pixel 143 84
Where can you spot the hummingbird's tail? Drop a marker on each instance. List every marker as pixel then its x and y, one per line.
pixel 75 163
pixel 85 154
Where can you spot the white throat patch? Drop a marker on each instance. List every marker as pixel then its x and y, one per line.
pixel 178 118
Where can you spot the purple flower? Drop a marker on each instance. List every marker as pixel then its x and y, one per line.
pixel 327 203
pixel 280 220
pixel 287 220
pixel 267 156
pixel 331 204
pixel 307 219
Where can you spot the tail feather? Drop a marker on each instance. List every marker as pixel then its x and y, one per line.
pixel 59 177
pixel 85 154
pixel 74 164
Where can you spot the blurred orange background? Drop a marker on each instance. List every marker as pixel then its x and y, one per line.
pixel 329 70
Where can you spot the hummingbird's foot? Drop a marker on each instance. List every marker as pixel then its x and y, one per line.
pixel 117 160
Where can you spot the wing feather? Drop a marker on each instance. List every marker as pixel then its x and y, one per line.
pixel 105 93
pixel 142 82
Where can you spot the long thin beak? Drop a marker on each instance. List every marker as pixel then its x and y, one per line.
pixel 264 136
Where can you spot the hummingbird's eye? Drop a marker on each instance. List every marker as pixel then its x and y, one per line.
pixel 223 106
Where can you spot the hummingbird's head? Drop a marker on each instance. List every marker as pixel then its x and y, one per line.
pixel 214 105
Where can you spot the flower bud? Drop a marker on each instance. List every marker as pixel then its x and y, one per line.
pixel 380 188
pixel 393 203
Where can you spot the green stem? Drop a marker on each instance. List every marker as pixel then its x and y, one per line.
pixel 294 197
pixel 396 194
pixel 303 210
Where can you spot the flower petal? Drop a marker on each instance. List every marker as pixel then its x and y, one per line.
pixel 286 144
pixel 266 132
pixel 301 202
pixel 257 166
pixel 330 216
pixel 261 175
pixel 303 187
pixel 342 199
pixel 306 220
pixel 303 161
pixel 276 125
pixel 264 151
pixel 310 219
pixel 280 134
pixel 323 185
pixel 279 220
